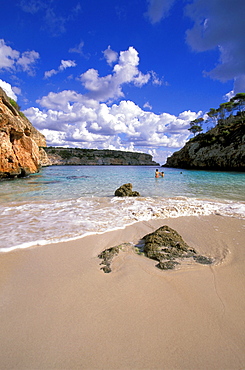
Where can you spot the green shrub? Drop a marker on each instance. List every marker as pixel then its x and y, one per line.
pixel 17 107
pixel 22 114
pixel 14 104
pixel 225 132
pixel 65 154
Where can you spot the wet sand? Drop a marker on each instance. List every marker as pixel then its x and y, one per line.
pixel 59 310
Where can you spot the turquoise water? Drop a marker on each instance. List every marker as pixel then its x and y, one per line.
pixel 65 182
pixel 64 202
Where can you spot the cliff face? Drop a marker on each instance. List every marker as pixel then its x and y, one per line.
pixel 221 148
pixel 19 142
pixel 69 156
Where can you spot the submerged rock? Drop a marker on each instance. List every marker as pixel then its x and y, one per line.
pixel 126 191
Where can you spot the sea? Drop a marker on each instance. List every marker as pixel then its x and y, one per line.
pixel 62 203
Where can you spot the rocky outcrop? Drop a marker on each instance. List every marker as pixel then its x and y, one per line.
pixel 164 245
pixel 108 255
pixel 167 247
pixel 19 142
pixel 221 148
pixel 126 191
pixel 76 156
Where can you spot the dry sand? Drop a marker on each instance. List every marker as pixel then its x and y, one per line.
pixel 60 311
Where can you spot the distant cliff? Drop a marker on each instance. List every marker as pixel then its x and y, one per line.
pixel 221 148
pixel 70 156
pixel 19 141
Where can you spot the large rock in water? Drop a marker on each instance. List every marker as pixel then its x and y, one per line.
pixel 126 191
pixel 19 142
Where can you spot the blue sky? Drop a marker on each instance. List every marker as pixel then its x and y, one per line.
pixel 126 75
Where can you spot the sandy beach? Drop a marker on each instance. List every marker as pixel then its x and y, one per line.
pixel 59 310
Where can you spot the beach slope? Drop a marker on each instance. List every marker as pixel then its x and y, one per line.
pixel 59 310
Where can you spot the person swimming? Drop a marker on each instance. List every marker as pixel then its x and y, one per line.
pixel 157 173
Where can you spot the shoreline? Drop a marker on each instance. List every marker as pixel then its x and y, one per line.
pixel 84 222
pixel 60 311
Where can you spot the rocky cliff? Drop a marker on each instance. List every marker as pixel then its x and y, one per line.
pixel 19 142
pixel 221 148
pixel 70 156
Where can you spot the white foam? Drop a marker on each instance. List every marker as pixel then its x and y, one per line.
pixel 28 224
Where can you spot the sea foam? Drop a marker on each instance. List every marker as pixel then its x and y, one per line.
pixel 39 223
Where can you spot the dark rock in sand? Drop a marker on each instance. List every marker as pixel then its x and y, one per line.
pixel 167 265
pixel 165 245
pixel 107 257
pixel 203 260
pixel 126 191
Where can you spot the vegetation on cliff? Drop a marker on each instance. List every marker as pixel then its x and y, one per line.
pixel 16 106
pixel 225 112
pixel 220 148
pixel 77 156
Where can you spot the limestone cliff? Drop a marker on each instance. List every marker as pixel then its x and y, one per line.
pixel 19 142
pixel 69 156
pixel 221 148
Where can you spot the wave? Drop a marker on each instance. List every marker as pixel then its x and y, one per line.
pixel 35 223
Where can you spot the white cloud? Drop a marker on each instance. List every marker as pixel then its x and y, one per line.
pixel 110 55
pixel 147 105
pixel 220 24
pixel 8 56
pixel 156 80
pixel 229 95
pixel 27 61
pixel 239 84
pixel 14 61
pixel 64 99
pixel 64 64
pixel 71 119
pixel 32 6
pixel 141 79
pixel 10 91
pixel 77 49
pixel 54 138
pixel 189 115
pixel 55 24
pixel 49 11
pixel 109 88
pixel 158 9
pixel 50 73
pixel 217 25
pixel 16 90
